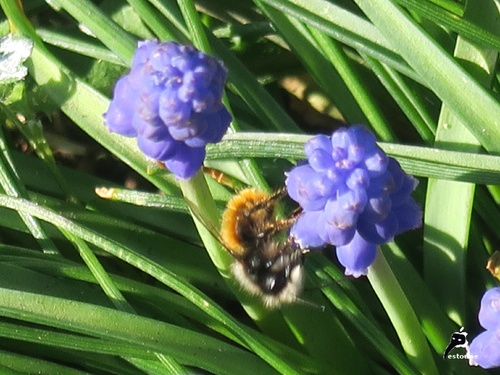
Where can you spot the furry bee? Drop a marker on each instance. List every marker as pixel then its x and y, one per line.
pixel 265 265
pixel 267 262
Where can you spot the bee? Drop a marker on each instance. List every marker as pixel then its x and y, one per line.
pixel 267 262
pixel 265 265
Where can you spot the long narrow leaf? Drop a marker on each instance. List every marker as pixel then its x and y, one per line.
pixel 429 60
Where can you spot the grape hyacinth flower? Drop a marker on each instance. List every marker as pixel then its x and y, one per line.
pixel 484 350
pixel 171 101
pixel 353 196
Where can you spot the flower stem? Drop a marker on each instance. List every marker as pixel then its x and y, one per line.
pixel 202 205
pixel 401 314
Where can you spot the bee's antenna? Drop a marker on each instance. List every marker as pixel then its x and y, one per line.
pixel 310 304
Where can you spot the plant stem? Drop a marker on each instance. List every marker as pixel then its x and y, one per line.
pixel 401 314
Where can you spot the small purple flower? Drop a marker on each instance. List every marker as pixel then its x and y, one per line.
pixel 484 350
pixel 353 196
pixel 171 101
pixel 489 312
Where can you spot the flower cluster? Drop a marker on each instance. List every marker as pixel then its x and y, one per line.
pixel 171 101
pixel 484 350
pixel 353 196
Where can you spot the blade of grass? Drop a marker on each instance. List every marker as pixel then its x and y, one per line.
pixel 416 160
pixel 155 270
pixel 210 354
pixel 412 105
pixel 346 27
pixel 71 341
pixel 91 362
pixel 435 323
pixel 12 185
pixel 24 364
pixel 300 40
pixel 340 297
pixel 100 274
pixel 463 26
pixel 108 32
pixel 429 60
pixel 448 206
pixel 171 12
pixel 337 57
pixel 401 314
pixel 164 30
pixel 81 45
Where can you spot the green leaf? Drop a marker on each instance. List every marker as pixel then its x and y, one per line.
pixel 419 161
pixel 113 327
pixel 446 236
pixel 430 61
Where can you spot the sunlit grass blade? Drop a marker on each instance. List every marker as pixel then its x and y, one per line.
pixel 296 34
pixel 419 161
pixel 362 95
pixel 349 307
pixel 15 364
pixel 401 314
pixel 163 30
pixel 144 199
pixel 429 60
pixel 155 270
pixel 410 103
pixel 433 319
pixel 449 204
pixel 113 325
pixel 82 45
pixel 346 27
pixel 100 274
pixel 172 14
pixel 463 26
pixel 108 32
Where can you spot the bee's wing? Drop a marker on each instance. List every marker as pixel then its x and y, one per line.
pixel 208 225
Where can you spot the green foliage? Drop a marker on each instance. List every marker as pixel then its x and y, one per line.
pixel 101 279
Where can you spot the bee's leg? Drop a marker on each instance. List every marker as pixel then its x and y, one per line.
pixel 287 222
pixel 278 194
pixel 282 224
pixel 268 203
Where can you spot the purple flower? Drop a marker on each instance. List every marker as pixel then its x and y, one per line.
pixel 171 101
pixel 484 350
pixel 489 312
pixel 353 196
